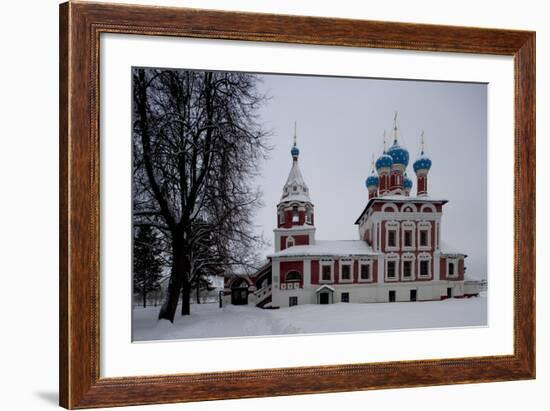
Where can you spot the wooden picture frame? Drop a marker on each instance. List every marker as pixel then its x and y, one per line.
pixel 80 27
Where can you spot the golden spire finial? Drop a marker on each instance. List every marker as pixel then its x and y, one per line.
pixel 422 142
pixel 294 133
pixel 372 162
pixel 395 126
pixel 384 137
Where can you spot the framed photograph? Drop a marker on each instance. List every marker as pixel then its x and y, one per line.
pixel 259 205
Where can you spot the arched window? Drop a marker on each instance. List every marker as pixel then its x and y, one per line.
pixel 281 217
pixel 239 283
pixel 289 242
pixel 293 276
pixel 308 215
pixel 295 216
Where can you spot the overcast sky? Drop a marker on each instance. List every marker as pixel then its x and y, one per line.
pixel 340 124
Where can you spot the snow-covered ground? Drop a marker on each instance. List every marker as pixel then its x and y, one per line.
pixel 209 321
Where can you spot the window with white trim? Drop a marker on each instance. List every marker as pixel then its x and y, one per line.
pixel 295 215
pixel 293 277
pixel 326 271
pixel 308 215
pixel 424 265
pixel 407 269
pixel 281 217
pixel 407 266
pixel 392 237
pixel 424 235
pixel 452 268
pixel 364 271
pixel 391 269
pixel 408 230
pixel 407 238
pixel 346 270
pixel 424 268
pixel 289 242
pixel 424 238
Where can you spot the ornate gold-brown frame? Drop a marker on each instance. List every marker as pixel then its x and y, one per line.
pixel 80 27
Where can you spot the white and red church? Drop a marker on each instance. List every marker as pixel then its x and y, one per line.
pixel 399 255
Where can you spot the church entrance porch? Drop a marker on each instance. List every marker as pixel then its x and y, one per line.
pixel 325 295
pixel 239 292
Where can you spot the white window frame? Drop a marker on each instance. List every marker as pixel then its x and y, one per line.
pixel 329 263
pixel 392 226
pixel 281 216
pixel 295 218
pixel 407 257
pixel 429 206
pixel 342 263
pixel 408 226
pixel 427 226
pixel 391 257
pixel 309 213
pixel 290 239
pixel 409 205
pixel 368 263
pixel 342 293
pixel 392 206
pixel 453 262
pixel 424 257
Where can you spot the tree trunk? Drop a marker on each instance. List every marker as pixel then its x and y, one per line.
pixel 198 294
pixel 185 300
pixel 144 298
pixel 179 282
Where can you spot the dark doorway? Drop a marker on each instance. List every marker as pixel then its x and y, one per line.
pixel 323 298
pixel 239 292
pixel 413 295
pixel 392 296
pixel 292 301
pixel 449 292
pixel 239 296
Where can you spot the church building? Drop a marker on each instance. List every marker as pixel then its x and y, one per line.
pixel 399 254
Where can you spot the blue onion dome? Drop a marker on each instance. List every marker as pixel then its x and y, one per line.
pixel 422 163
pixel 399 154
pixel 384 161
pixel 407 182
pixel 295 151
pixel 372 180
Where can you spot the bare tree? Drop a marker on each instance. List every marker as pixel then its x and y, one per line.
pixel 197 145
pixel 147 264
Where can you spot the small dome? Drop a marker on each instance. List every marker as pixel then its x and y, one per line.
pixel 399 154
pixel 295 151
pixel 384 161
pixel 422 163
pixel 407 182
pixel 372 180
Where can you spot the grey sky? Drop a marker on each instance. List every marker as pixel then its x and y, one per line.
pixel 340 125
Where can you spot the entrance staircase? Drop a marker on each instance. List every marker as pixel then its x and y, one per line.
pixel 263 297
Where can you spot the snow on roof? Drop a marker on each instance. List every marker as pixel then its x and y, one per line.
pixel 328 248
pixel 424 199
pixel 447 248
pixel 323 287
pixel 295 188
pixel 400 199
pixel 296 228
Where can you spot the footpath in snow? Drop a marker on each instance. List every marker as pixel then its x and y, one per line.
pixel 209 321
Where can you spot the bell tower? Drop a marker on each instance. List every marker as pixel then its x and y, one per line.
pixel 295 211
pixel 421 167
